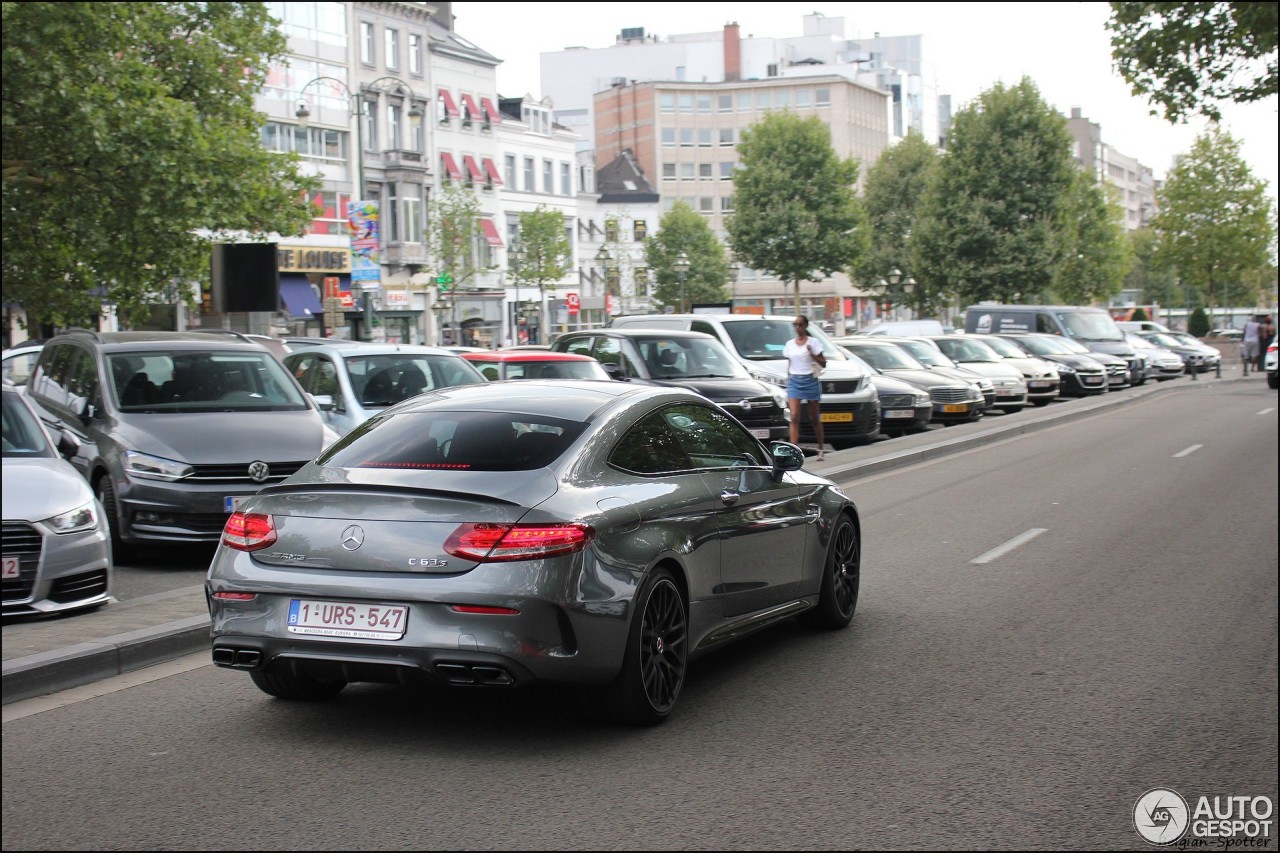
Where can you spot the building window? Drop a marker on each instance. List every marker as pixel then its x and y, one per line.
pixel 366 43
pixel 764 100
pixel 418 133
pixel 393 126
pixel 706 204
pixel 529 185
pixel 668 137
pixel 548 177
pixel 704 137
pixel 704 103
pixel 726 203
pixel 611 230
pixel 667 102
pixel 822 97
pixel 704 171
pixel 685 99
pixel 724 103
pixel 411 218
pixel 370 125
pixel 509 169
pixel 639 230
pixel 330 212
pixel 744 102
pixel 415 54
pixel 782 98
pixel 771 70
pixel 686 171
pixel 392 212
pixel 726 171
pixel 392 38
pixel 726 136
pixel 686 137
pixel 566 179
pixel 669 170
pixel 803 97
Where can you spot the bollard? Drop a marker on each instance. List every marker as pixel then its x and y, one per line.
pixel 1194 368
pixel 1218 369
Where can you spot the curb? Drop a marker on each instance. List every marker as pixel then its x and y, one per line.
pixel 85 663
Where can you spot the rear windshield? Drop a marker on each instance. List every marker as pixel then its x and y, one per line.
pixel 454 441
pixel 763 339
pixel 191 381
pixel 382 380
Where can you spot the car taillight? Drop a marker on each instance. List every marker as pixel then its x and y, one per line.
pixel 249 531
pixel 499 543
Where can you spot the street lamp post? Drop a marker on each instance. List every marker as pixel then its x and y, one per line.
pixel 515 260
pixel 734 267
pixel 356 106
pixel 606 263
pixel 681 267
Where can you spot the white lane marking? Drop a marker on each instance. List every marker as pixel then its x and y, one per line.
pixel 1267 411
pixel 40 704
pixel 1001 550
pixel 1192 449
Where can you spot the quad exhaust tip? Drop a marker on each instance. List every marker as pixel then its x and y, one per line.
pixel 483 675
pixel 237 658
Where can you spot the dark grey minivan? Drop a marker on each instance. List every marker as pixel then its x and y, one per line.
pixel 176 428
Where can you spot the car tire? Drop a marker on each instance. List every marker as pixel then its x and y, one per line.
pixel 656 657
pixel 1272 381
pixel 841 576
pixel 283 685
pixel 121 551
pixel 1042 401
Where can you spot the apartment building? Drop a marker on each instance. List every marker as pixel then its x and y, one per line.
pixel 1134 182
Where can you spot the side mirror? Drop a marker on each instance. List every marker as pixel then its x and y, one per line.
pixel 786 457
pixel 324 402
pixel 68 444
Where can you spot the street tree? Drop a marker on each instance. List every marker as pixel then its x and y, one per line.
pixel 130 144
pixel 1095 256
pixel 453 232
pixel 1188 57
pixel 989 227
pixel 681 229
pixel 895 186
pixel 1157 282
pixel 543 255
pixel 1216 222
pixel 797 216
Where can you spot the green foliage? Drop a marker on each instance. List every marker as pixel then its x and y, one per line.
pixel 1139 313
pixel 1186 56
pixel 684 230
pixel 1094 254
pixel 892 197
pixel 797 215
pixel 1216 223
pixel 130 142
pixel 1198 323
pixel 547 254
pixel 990 224
pixel 1157 282
pixel 453 227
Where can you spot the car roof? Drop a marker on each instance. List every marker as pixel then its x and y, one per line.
pixel 639 332
pixel 524 356
pixel 574 399
pixel 366 348
pixel 725 318
pixel 135 341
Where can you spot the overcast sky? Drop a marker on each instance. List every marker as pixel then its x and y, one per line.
pixel 968 47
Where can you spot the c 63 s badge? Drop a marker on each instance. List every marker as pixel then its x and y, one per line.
pixel 428 562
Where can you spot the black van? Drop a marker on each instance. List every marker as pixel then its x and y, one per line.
pixel 1092 327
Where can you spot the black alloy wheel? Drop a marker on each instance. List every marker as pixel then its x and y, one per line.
pixel 838 597
pixel 121 551
pixel 653 667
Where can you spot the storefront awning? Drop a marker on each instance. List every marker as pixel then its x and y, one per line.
pixel 491 233
pixel 473 112
pixel 446 97
pixel 450 166
pixel 492 169
pixel 491 111
pixel 299 297
pixel 474 172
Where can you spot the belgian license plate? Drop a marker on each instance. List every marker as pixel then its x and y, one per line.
pixel 1006 392
pixel 231 503
pixel 12 568
pixel 1044 384
pixel 899 413
pixel 345 619
pixel 760 433
pixel 954 407
pixel 836 417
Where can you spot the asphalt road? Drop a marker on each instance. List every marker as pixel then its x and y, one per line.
pixel 1049 626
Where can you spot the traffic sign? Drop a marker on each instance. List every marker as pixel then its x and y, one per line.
pixel 571 302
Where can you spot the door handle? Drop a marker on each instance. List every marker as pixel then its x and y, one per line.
pixel 729 497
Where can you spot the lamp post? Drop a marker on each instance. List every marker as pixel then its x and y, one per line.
pixel 681 267
pixel 356 107
pixel 606 263
pixel 515 260
pixel 908 286
pixel 734 268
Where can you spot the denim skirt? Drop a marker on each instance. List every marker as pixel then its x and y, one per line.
pixel 803 386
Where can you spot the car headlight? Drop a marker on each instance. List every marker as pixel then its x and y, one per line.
pixel 771 378
pixel 975 394
pixel 921 399
pixel 154 467
pixel 780 400
pixel 1065 368
pixel 81 518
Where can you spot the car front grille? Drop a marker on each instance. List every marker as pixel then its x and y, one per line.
pixel 949 395
pixel 239 473
pixel 896 401
pixel 25 542
pixel 840 386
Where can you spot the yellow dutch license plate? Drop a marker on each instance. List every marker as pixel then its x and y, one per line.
pixel 953 407
pixel 836 417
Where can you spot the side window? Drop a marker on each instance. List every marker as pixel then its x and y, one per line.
pixel 50 383
pixel 324 380
pixel 1046 326
pixel 299 367
pixel 711 438
pixel 650 447
pixel 578 346
pixel 82 380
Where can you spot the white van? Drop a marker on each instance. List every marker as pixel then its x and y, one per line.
pixel 1141 326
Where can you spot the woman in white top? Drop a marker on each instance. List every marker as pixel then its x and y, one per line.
pixel 804 362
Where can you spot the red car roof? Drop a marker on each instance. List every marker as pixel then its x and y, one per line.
pixel 524 355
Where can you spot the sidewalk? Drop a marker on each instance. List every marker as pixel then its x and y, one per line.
pixel 50 655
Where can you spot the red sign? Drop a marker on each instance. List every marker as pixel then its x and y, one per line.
pixel 571 302
pixel 331 283
pixel 608 303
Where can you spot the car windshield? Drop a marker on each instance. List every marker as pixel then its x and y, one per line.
pixel 1046 345
pixel 689 358
pixel 1183 339
pixel 1163 339
pixel 1088 326
pixel 763 339
pixel 23 437
pixel 967 350
pixel 444 442
pixel 163 382
pixel 887 358
pixel 382 380
pixel 1139 342
pixel 926 354
pixel 1005 348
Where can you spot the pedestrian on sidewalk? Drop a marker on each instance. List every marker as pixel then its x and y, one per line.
pixel 1266 331
pixel 804 364
pixel 1249 346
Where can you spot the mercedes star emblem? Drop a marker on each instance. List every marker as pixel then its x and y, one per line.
pixel 352 537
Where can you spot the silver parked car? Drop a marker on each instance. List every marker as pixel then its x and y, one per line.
pixel 353 382
pixel 57 554
pixel 590 533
